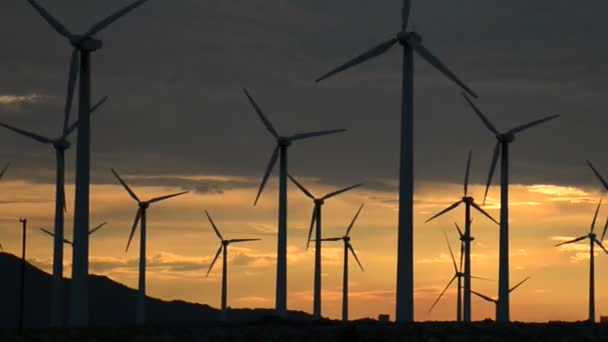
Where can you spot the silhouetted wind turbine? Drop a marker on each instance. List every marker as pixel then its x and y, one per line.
pixel 469 202
pixel 605 184
pixel 495 301
pixel 316 217
pixel 141 215
pixel 60 145
pixel 23 222
pixel 592 240
pixel 501 148
pixel 66 241
pixel 411 42
pixel 224 248
pixel 83 46
pixel 347 247
pixel 280 152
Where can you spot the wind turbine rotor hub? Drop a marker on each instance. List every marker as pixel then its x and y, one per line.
pixel 319 201
pixel 62 144
pixel 225 242
pixel 346 238
pixel 468 200
pixel 283 142
pixel 88 44
pixel 592 236
pixel 144 205
pixel 506 138
pixel 405 37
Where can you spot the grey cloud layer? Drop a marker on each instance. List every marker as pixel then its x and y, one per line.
pixel 174 73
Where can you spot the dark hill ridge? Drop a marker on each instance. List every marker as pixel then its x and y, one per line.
pixel 110 303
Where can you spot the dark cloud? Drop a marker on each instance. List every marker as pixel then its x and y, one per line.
pixel 174 74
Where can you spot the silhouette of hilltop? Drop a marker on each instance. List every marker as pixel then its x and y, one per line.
pixel 110 303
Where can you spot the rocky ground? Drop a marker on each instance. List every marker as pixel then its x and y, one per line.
pixel 332 331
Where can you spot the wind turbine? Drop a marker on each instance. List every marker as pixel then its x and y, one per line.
pixel 223 247
pixel 60 145
pixel 411 42
pixel 495 301
pixel 280 152
pixel 469 202
pixel 347 247
pixel 83 45
pixel 501 148
pixel 592 240
pixel 316 217
pixel 603 181
pixel 141 215
pixel 66 241
pixel 23 222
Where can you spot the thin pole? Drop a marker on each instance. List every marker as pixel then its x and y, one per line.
pixel 459 300
pixel 141 293
pixel 467 263
pixel 57 295
pixel 22 281
pixel 503 258
pixel 223 313
pixel 317 275
pixel 281 287
pixel 591 283
pixel 345 285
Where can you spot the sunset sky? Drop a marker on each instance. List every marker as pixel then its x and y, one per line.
pixel 177 120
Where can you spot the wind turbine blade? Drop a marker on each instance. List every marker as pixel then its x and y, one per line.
pixel 461 255
pixel 352 251
pixel 459 230
pixel 484 297
pixel 47 232
pixel 97 228
pixel 434 61
pixel 332 239
pixel 442 293
pixel 112 18
pixel 273 160
pixel 603 232
pixel 571 241
pixel 371 53
pixel 72 76
pixel 451 253
pixel 453 206
pixel 28 134
pixel 312 223
pixel 91 112
pixel 131 193
pixel 301 136
pixel 217 231
pixel 306 192
pixel 405 13
pixel 162 198
pixel 242 240
pixel 597 210
pixel 479 278
pixel 263 117
pixel 64 204
pixel 492 169
pixel 336 193
pixel 518 285
pixel 598 175
pixel 484 212
pixel 55 24
pixel 137 218
pixel 532 124
pixel 353 221
pixel 466 174
pixel 601 246
pixel 215 259
pixel 480 114
pixel 4 170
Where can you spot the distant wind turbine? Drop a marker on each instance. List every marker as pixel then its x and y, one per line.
pixel 66 241
pixel 21 316
pixel 141 216
pixel 60 145
pixel 316 217
pixel 83 45
pixel 469 202
pixel 347 247
pixel 458 275
pixel 280 152
pixel 605 184
pixel 501 148
pixel 495 301
pixel 592 240
pixel 224 248
pixel 411 42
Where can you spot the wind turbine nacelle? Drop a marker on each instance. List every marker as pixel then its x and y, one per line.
pixel 87 43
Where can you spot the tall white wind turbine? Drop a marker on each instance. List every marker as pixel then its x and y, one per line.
pixel 469 202
pixel 60 145
pixel 223 248
pixel 316 217
pixel 347 247
pixel 495 301
pixel 411 42
pixel 280 152
pixel 592 241
pixel 141 216
pixel 501 148
pixel 83 45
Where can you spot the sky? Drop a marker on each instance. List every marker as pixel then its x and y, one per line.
pixel 177 119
